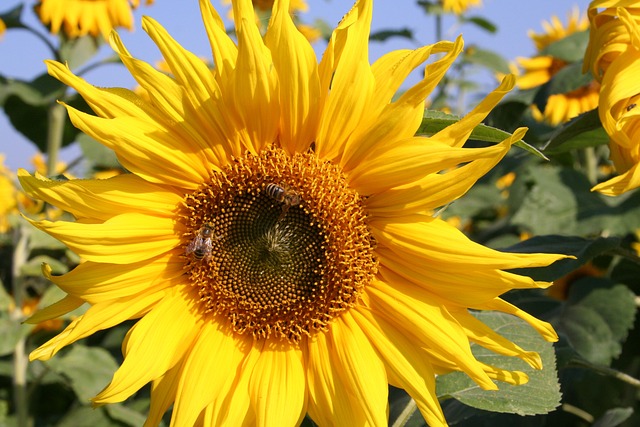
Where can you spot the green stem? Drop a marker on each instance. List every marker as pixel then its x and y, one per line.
pixel 52 48
pixel 20 360
pixel 54 136
pixel 591 161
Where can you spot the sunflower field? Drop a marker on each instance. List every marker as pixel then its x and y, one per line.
pixel 316 213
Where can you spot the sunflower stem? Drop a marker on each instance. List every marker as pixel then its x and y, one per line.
pixel 54 136
pixel 21 401
pixel 591 161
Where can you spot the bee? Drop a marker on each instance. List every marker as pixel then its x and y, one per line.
pixel 202 245
pixel 283 194
pixel 631 107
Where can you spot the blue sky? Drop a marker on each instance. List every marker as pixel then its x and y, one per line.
pixel 21 54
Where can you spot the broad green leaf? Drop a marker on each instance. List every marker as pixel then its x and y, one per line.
pixel 570 48
pixel 384 35
pixel 43 90
pixel 34 266
pixel 539 396
pixel 583 249
pixel 613 417
pixel 597 318
pixel 12 18
pixel 89 370
pixel 560 200
pixel 435 121
pixel 100 156
pixel 11 331
pixel 125 415
pixel 487 58
pixel 77 51
pixel 568 79
pixel 585 123
pixel 85 416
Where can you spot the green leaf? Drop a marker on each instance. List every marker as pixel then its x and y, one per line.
pixel 100 156
pixel 435 121
pixel 560 200
pixel 481 22
pixel 43 90
pixel 89 370
pixel 597 318
pixel 613 417
pixel 581 132
pixel 583 249
pixel 487 58
pixel 34 266
pixel 539 396
pixel 384 35
pixel 568 79
pixel 85 416
pixel 570 48
pixel 12 18
pixel 78 51
pixel 11 331
pixel 125 415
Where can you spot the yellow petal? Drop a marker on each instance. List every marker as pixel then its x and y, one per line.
pixel 225 52
pixel 145 148
pixel 464 288
pixel 481 334
pixel 295 62
pixel 111 281
pixel 543 328
pixel 201 88
pixel 388 121
pixel 107 103
pixel 163 394
pixel 441 245
pixel 430 325
pixel 173 107
pixel 436 190
pixel 102 199
pixel 55 310
pixel 360 369
pixel 456 134
pixel 203 382
pixel 404 363
pixel 123 239
pixel 407 161
pixel 98 317
pixel 622 183
pixel 346 65
pixel 278 386
pixel 331 401
pixel 155 344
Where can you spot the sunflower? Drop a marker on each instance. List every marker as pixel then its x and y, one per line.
pixel 78 18
pixel 613 55
pixel 539 69
pixel 275 238
pixel 608 36
pixel 459 7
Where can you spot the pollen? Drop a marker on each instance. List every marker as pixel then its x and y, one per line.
pixel 289 247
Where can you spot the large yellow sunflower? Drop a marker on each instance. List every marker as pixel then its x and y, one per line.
pixel 78 18
pixel 539 69
pixel 608 36
pixel 618 107
pixel 275 236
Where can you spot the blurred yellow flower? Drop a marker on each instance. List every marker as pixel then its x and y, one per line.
pixel 296 7
pixel 608 36
pixel 619 111
pixel 458 7
pixel 8 196
pixel 3 28
pixel 78 18
pixel 278 220
pixel 538 70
